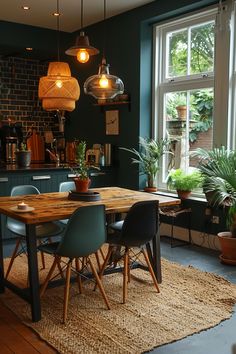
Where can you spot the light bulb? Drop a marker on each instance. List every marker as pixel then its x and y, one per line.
pixel 103 82
pixel 59 83
pixel 82 56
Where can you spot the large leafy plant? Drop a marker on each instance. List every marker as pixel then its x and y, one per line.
pixel 82 169
pixel 148 157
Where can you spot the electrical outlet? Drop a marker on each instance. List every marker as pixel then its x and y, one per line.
pixel 215 219
pixel 207 211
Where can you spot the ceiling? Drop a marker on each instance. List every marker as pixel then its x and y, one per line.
pixel 40 13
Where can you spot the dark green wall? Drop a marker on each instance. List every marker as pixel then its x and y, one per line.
pixel 128 49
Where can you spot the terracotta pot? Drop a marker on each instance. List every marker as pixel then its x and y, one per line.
pixel 182 112
pixel 150 189
pixel 183 194
pixel 228 247
pixel 82 185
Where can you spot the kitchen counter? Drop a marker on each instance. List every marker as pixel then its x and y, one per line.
pixel 34 167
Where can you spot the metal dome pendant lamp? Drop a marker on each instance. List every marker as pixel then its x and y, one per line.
pixel 58 90
pixel 103 86
pixel 82 49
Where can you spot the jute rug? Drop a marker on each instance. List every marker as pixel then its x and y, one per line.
pixel 190 301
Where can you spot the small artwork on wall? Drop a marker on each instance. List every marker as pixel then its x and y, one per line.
pixel 112 122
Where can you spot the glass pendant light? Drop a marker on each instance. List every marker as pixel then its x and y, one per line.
pixel 82 49
pixel 103 85
pixel 58 90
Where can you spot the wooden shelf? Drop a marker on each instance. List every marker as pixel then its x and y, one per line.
pixel 112 103
pixel 118 103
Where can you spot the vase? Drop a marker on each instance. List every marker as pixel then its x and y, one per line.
pixel 23 158
pixel 182 112
pixel 82 185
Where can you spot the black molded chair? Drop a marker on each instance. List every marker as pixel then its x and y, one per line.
pixel 45 230
pixel 137 229
pixel 84 234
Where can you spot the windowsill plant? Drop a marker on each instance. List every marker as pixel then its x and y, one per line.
pixel 183 182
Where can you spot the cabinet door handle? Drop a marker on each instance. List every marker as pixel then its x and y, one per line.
pixel 95 174
pixel 4 179
pixel 39 178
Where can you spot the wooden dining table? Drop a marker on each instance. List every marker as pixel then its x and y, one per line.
pixel 56 206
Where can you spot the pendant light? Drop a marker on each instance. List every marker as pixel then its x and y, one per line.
pixel 58 90
pixel 82 49
pixel 103 85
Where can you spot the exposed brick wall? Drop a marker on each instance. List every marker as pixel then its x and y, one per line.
pixel 19 94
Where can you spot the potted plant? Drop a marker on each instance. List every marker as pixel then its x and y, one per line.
pixel 183 182
pixel 23 156
pixel 148 157
pixel 82 180
pixel 218 167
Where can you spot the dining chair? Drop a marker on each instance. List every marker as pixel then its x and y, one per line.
pixel 69 186
pixel 66 187
pixel 134 232
pixel 84 234
pixel 43 231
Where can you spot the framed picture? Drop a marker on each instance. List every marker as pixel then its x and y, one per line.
pixel 112 122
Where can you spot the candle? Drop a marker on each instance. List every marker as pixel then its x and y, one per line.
pixel 22 206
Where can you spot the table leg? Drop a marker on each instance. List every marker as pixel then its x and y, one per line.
pixel 2 229
pixel 156 249
pixel 33 272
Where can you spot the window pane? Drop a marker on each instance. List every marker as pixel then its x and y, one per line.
pixel 188 123
pixel 177 49
pixel 202 48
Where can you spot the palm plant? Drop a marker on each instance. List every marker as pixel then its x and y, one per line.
pixel 148 157
pixel 218 167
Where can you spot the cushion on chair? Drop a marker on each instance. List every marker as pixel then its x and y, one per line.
pixel 48 229
pixel 49 247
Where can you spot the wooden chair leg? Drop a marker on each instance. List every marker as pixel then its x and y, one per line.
pixel 77 266
pixel 125 274
pixel 43 260
pixel 14 255
pixel 151 270
pixel 99 283
pixel 98 261
pixel 48 277
pixel 129 276
pixel 104 265
pixel 66 291
pixel 60 268
pixel 102 254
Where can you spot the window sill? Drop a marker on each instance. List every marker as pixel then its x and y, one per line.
pixel 174 195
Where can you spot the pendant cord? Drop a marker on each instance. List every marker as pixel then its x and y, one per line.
pixel 58 32
pixel 104 28
pixel 81 15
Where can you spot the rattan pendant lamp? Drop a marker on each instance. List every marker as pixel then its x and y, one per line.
pixel 103 86
pixel 58 90
pixel 82 49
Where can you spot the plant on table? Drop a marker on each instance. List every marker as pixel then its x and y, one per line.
pixel 82 180
pixel 148 157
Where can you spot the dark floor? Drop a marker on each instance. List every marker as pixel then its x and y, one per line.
pixel 220 339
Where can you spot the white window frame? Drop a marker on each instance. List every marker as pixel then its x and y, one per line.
pixel 219 80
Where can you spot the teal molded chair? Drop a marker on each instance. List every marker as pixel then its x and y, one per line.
pixel 66 187
pixel 45 230
pixel 134 233
pixel 84 234
pixel 69 186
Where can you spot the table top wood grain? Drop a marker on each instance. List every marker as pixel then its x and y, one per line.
pixel 56 206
